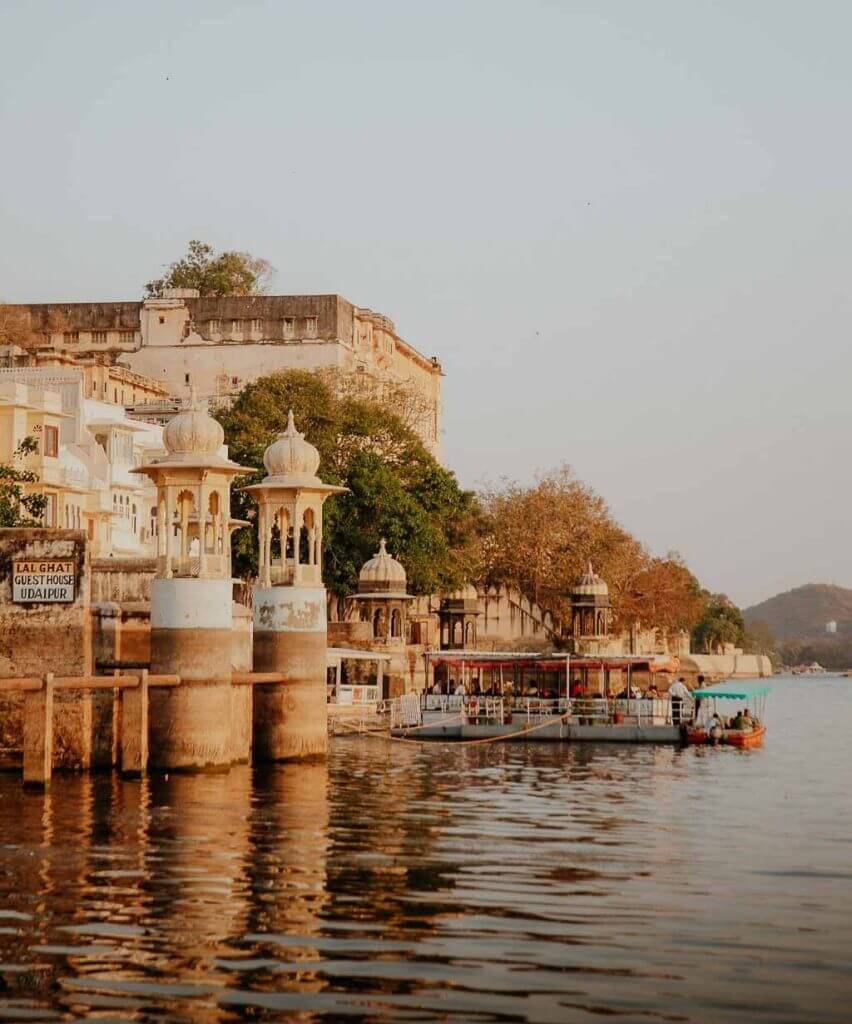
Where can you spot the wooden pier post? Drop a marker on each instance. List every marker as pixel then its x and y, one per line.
pixel 38 735
pixel 134 727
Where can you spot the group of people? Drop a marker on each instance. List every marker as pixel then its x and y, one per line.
pixel 475 689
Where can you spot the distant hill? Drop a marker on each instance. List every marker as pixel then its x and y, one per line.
pixel 802 613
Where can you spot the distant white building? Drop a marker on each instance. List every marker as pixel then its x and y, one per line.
pixel 86 451
pixel 831 626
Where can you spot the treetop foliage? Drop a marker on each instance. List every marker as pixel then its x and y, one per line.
pixel 396 490
pixel 228 273
pixel 17 507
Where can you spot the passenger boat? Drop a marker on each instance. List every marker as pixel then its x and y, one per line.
pixel 540 697
pixel 705 728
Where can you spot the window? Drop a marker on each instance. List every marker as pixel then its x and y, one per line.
pixel 50 510
pixel 99 337
pixel 154 522
pixel 115 395
pixel 94 388
pixel 162 319
pixel 51 442
pixel 311 327
pixel 235 382
pixel 186 378
pixel 289 325
pixel 134 520
pixel 214 327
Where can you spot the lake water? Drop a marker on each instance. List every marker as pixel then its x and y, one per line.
pixel 424 882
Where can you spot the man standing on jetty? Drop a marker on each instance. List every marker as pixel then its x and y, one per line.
pixel 679 692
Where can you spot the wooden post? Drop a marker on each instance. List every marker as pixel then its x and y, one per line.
pixel 38 735
pixel 134 727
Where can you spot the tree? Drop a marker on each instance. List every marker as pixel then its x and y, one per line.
pixel 722 623
pixel 541 538
pixel 14 325
pixel 664 594
pixel 396 488
pixel 17 507
pixel 228 273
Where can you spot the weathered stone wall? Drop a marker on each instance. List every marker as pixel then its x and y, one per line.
pixel 40 638
pixel 122 579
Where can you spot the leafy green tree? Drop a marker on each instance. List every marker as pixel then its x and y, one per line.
pixel 17 507
pixel 722 623
pixel 228 273
pixel 397 489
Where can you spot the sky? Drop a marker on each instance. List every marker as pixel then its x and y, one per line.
pixel 623 227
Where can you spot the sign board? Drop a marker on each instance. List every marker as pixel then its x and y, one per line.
pixel 44 580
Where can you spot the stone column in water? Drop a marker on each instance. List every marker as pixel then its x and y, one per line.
pixel 290 634
pixel 191 596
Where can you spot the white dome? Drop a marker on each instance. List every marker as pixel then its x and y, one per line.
pixel 591 585
pixel 290 454
pixel 381 570
pixel 193 432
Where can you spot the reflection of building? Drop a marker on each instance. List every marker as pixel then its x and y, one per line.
pixel 220 344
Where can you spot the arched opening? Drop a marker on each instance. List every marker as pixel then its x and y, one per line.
pixel 457 632
pixel 415 633
pixel 134 520
pixel 395 623
pixel 377 622
pixel 468 634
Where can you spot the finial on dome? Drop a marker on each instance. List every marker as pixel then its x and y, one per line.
pixel 383 549
pixel 291 423
pixel 591 570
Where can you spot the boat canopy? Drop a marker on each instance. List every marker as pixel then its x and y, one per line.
pixel 746 692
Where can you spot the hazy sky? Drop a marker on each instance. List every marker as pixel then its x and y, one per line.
pixel 624 227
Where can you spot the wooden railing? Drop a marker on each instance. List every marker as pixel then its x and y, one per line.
pixel 132 718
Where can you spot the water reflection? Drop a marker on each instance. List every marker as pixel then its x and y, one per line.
pixel 405 882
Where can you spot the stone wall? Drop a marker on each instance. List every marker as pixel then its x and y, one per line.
pixel 40 638
pixel 122 579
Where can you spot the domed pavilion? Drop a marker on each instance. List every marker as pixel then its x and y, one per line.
pixel 458 614
pixel 591 612
pixel 382 597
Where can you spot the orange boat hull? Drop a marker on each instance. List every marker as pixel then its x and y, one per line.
pixel 730 737
pixel 745 739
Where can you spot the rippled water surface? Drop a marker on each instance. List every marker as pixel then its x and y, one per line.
pixel 409 882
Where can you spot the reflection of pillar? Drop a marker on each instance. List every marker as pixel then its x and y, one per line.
pixel 287 861
pixel 197 895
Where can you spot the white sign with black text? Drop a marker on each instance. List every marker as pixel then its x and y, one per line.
pixel 44 581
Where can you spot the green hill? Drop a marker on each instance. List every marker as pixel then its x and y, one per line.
pixel 802 613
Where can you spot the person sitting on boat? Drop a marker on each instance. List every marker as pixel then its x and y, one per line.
pixel 577 687
pixel 436 687
pixel 714 728
pixel 461 690
pixel 742 721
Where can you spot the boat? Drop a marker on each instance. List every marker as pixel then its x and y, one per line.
pixel 494 696
pixel 706 727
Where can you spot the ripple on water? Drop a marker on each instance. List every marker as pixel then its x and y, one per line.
pixel 423 883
